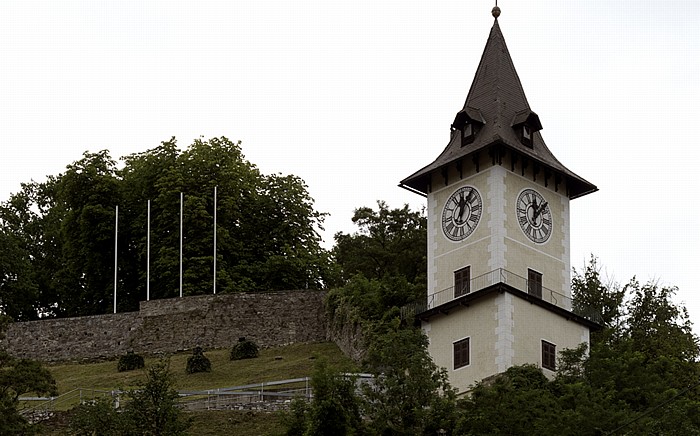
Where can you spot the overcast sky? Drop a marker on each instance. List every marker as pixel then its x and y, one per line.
pixel 353 96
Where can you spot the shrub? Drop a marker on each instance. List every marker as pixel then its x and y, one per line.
pixel 99 414
pixel 130 361
pixel 198 362
pixel 244 349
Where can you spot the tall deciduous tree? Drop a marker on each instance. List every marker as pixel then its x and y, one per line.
pixel 383 264
pixel 58 236
pixel 389 242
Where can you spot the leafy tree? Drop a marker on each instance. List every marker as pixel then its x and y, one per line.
pixel 57 237
pixel 149 411
pixel 518 402
pixel 388 243
pixel 334 409
pixel 383 264
pixel 98 416
pixel 89 194
pixel 153 410
pixel 591 295
pixel 410 395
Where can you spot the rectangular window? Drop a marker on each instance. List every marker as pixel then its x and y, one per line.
pixel 549 356
pixel 462 278
pixel 534 283
pixel 461 353
pixel 527 136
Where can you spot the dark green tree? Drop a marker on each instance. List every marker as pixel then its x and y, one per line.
pixel 88 193
pixel 409 395
pixel 153 410
pixel 388 243
pixel 333 410
pixel 57 237
pixel 593 297
pixel 383 264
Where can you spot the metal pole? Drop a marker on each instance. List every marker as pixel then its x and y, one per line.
pixel 116 233
pixel 215 240
pixel 148 254
pixel 181 200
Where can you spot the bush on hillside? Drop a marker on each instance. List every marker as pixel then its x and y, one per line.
pixel 244 349
pixel 130 361
pixel 198 362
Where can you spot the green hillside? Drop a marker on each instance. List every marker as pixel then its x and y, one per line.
pixel 273 364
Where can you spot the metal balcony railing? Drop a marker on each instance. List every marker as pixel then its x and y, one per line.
pixel 494 277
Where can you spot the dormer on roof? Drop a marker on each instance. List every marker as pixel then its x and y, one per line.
pixel 496 120
pixel 526 123
pixel 468 122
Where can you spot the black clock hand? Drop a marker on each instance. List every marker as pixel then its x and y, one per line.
pixel 461 204
pixel 539 209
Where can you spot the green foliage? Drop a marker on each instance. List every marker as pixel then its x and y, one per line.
pixel 57 237
pixel 295 420
pixel 98 416
pixel 130 361
pixel 244 349
pixel 198 362
pixel 388 243
pixel 641 375
pixel 153 410
pixel 409 394
pixel 382 265
pixel 149 411
pixel 592 296
pixel 334 409
pixel 17 377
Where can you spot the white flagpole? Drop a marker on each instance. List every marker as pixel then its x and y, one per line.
pixel 181 201
pixel 215 239
pixel 148 254
pixel 116 233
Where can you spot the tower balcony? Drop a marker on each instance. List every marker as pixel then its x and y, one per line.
pixel 499 280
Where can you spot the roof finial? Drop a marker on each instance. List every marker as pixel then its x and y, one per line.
pixel 496 11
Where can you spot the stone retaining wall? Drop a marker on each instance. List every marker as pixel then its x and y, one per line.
pixel 169 325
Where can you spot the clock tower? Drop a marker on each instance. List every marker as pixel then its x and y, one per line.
pixel 498 234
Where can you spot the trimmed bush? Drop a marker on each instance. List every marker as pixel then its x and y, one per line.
pixel 130 361
pixel 198 362
pixel 244 349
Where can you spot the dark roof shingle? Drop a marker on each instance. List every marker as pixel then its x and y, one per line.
pixel 497 96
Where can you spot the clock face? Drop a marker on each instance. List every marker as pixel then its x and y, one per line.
pixel 462 213
pixel 534 216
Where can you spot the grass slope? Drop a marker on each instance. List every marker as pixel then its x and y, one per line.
pixel 281 363
pixel 273 364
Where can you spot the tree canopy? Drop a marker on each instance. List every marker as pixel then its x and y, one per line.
pixel 57 237
pixel 641 374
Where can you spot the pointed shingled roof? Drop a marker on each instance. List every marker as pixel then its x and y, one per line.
pixel 497 97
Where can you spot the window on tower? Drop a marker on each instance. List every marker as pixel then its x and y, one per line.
pixel 468 133
pixel 461 353
pixel 534 283
pixel 527 135
pixel 462 279
pixel 549 356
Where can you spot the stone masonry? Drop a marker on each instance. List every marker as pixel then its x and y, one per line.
pixel 170 325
